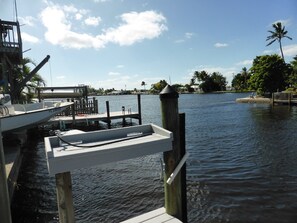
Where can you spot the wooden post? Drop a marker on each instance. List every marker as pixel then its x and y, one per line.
pixel 108 114
pixel 64 197
pixel 73 113
pixel 170 121
pixel 182 128
pixel 38 94
pixel 4 197
pixel 139 109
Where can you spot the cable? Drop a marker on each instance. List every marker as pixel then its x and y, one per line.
pixel 139 135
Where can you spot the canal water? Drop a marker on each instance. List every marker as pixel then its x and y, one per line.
pixel 242 167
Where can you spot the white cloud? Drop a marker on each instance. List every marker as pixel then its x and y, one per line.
pixel 29 38
pixel 290 50
pixel 268 52
pixel 78 16
pixel 114 73
pixel 135 27
pixel 61 77
pixel 186 36
pixel 93 21
pixel 179 41
pixel 220 45
pixel 245 63
pixel 189 35
pixel 27 20
pixel 59 30
pixel 120 66
pixel 98 1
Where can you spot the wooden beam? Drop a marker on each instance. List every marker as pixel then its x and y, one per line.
pixel 64 197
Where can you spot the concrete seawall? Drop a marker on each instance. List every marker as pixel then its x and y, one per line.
pixel 254 100
pixel 13 160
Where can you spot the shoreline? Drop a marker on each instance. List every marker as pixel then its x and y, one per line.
pixel 254 100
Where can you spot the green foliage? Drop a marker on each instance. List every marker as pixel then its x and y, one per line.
pixel 158 87
pixel 210 82
pixel 240 81
pixel 20 73
pixel 277 34
pixel 293 75
pixel 268 74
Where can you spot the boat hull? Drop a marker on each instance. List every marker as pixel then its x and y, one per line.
pixel 31 118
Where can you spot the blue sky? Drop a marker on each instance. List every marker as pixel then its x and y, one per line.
pixel 120 43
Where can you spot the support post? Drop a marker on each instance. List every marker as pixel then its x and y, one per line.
pixel 64 197
pixel 73 113
pixel 108 115
pixel 139 109
pixel 170 121
pixel 183 172
pixel 38 95
pixel 4 197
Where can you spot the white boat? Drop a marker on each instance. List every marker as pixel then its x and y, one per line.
pixel 23 116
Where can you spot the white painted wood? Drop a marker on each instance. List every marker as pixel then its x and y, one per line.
pixel 21 116
pixel 155 216
pixel 66 158
pixel 177 169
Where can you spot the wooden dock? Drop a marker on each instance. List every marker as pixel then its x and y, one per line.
pixel 88 118
pixel 155 216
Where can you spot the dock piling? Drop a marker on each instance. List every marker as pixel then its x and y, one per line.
pixel 108 115
pixel 174 195
pixel 64 197
pixel 139 109
pixel 4 196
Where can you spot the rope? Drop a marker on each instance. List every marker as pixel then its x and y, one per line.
pixel 139 135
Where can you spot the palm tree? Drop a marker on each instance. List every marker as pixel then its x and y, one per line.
pixel 278 33
pixel 143 84
pixel 245 74
pixel 28 89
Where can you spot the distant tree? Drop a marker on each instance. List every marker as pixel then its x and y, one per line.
pixel 158 87
pixel 240 81
pixel 219 81
pixel 268 74
pixel 200 76
pixel 209 83
pixel 293 75
pixel 143 85
pixel 109 90
pixel 189 88
pixel 277 34
pixel 100 91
